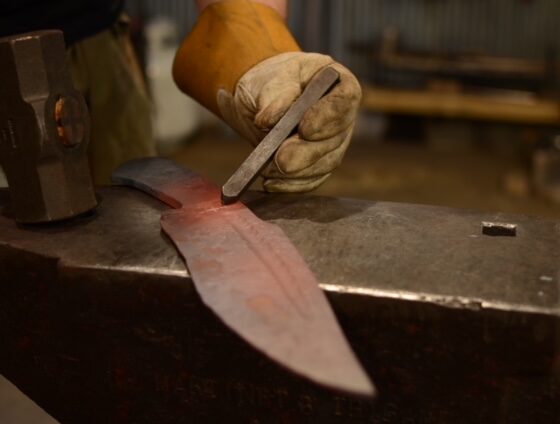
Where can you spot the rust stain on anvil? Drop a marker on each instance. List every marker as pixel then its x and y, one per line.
pixel 249 273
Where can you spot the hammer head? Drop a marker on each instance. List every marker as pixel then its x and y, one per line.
pixel 44 130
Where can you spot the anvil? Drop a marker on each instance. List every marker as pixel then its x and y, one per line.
pixel 99 320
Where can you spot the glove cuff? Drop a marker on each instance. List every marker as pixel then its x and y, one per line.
pixel 229 38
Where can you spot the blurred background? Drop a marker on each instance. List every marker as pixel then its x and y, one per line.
pixel 461 99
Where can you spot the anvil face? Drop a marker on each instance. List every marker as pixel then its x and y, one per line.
pixel 99 320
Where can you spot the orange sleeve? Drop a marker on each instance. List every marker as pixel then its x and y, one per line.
pixel 229 38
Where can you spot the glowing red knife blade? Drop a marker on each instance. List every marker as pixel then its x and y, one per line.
pixel 249 273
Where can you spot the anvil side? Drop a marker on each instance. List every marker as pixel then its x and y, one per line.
pixel 99 321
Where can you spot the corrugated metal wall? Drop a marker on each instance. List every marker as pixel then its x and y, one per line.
pixel 524 28
pixel 518 28
pixel 503 27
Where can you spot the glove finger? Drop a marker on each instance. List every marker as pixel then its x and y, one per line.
pixel 325 164
pixel 296 154
pixel 335 112
pixel 274 101
pixel 236 117
pixel 293 185
pixel 276 95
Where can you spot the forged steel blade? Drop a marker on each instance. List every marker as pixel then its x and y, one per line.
pixel 250 275
pixel 262 154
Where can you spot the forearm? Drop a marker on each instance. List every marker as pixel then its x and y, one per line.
pixel 229 38
pixel 281 6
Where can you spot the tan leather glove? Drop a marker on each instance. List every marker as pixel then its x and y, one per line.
pixel 242 63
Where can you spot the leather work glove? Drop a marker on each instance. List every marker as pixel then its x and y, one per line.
pixel 242 63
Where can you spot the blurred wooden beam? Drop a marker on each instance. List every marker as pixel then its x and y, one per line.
pixel 493 106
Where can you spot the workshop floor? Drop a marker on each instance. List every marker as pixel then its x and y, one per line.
pixel 399 172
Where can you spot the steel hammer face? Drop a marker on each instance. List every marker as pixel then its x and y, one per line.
pixel 44 130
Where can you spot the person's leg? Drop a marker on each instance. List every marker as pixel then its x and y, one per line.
pixel 105 70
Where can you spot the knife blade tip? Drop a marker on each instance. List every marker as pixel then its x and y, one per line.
pixel 360 385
